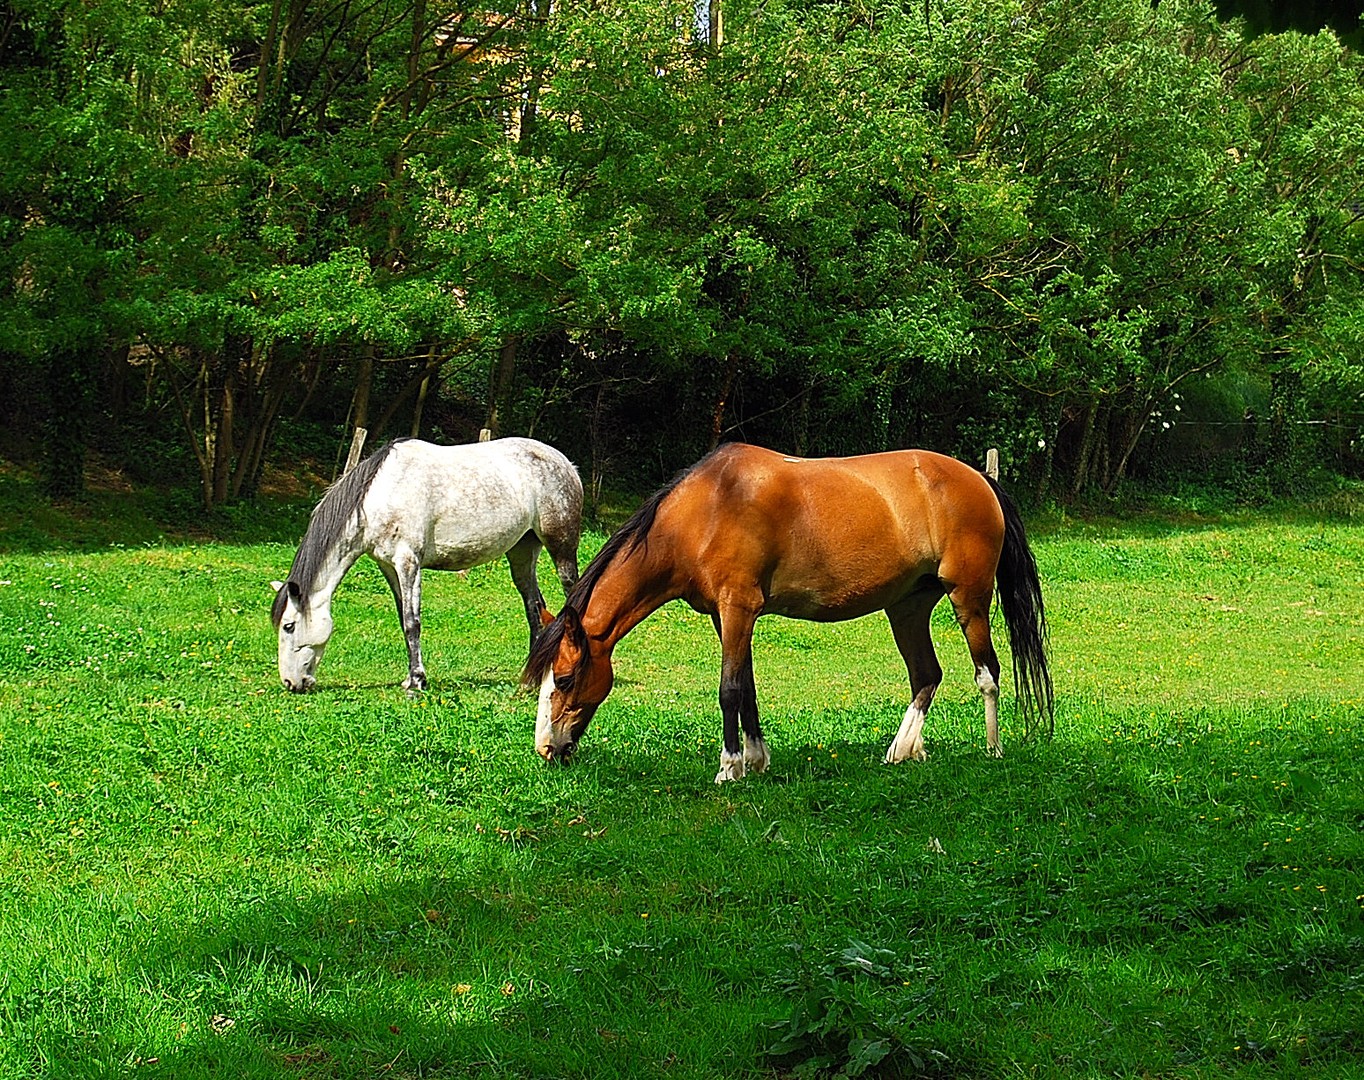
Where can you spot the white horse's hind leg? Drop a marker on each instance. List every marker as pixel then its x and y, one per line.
pixel 989 691
pixel 521 559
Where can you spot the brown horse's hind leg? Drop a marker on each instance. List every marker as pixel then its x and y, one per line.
pixel 972 606
pixel 739 697
pixel 909 624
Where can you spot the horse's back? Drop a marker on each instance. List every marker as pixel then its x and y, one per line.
pixel 462 505
pixel 875 495
pixel 837 537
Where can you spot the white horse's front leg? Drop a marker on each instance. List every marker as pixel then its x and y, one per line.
pixel 407 588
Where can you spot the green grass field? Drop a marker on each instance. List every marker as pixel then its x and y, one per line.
pixel 205 876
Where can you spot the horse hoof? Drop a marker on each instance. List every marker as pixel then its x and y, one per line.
pixel 731 768
pixel 756 757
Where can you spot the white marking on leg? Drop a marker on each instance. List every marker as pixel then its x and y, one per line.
pixel 731 767
pixel 989 690
pixel 908 742
pixel 543 727
pixel 756 756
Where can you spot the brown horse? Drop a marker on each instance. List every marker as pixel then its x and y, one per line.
pixel 748 532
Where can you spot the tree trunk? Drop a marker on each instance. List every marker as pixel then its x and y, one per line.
pixel 1133 426
pixel 266 49
pixel 597 440
pixel 202 447
pixel 68 391
pixel 224 435
pixel 717 415
pixel 431 372
pixel 1082 458
pixel 268 398
pixel 364 383
pixel 1285 398
pixel 802 424
pixel 503 373
pixel 119 371
pixel 413 385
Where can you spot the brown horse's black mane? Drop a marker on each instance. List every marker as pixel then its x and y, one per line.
pixel 339 506
pixel 624 540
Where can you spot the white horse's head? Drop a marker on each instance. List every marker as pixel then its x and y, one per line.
pixel 303 636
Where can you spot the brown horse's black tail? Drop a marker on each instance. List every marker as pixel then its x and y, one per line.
pixel 1020 597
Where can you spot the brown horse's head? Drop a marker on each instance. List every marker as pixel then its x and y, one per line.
pixel 574 673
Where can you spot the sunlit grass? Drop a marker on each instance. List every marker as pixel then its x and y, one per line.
pixel 204 875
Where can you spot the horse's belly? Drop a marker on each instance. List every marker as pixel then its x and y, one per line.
pixel 843 586
pixel 462 548
pixel 454 541
pixel 832 604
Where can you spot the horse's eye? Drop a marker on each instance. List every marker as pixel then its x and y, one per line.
pixel 288 628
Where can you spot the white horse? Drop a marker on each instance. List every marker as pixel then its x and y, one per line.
pixel 414 504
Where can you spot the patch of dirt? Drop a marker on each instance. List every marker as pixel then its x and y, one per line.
pixel 304 479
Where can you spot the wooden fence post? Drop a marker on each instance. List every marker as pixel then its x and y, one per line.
pixel 992 463
pixel 357 447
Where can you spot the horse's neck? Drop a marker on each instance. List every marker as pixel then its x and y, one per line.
pixel 334 566
pixel 630 589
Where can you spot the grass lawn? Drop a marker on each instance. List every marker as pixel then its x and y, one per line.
pixel 206 876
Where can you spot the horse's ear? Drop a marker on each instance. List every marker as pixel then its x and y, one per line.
pixel 572 624
pixel 276 585
pixel 546 616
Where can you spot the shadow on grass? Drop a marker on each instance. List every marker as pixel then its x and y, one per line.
pixel 1157 900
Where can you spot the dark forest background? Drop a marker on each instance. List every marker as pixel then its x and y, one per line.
pixel 1121 242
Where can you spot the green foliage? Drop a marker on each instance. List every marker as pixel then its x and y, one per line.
pixel 837 229
pixel 840 1024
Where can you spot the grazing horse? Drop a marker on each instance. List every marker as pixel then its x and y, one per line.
pixel 749 532
pixel 414 504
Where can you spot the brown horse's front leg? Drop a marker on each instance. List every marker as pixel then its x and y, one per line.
pixel 909 624
pixel 739 699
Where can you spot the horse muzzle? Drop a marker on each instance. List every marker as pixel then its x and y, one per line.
pixel 301 685
pixel 561 752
